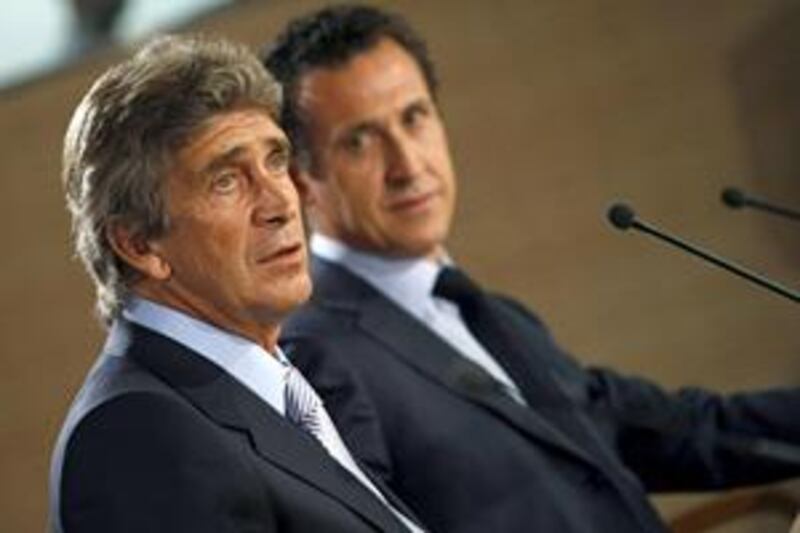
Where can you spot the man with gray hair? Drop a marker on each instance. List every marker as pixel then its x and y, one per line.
pixel 176 176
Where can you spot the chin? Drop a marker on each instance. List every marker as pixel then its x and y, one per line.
pixel 298 289
pixel 306 294
pixel 410 250
pixel 424 245
pixel 284 296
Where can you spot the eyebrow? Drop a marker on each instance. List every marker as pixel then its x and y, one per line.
pixel 364 125
pixel 227 158
pixel 422 102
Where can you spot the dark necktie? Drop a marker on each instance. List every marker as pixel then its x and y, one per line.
pixel 483 320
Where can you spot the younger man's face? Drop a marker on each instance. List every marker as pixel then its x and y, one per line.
pixel 381 178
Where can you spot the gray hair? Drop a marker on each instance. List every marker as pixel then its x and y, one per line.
pixel 124 134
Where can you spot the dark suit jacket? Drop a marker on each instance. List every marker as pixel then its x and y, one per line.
pixel 160 439
pixel 467 458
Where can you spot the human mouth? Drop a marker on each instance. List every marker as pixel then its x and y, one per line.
pixel 287 255
pixel 412 203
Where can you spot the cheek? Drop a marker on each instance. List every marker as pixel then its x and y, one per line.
pixel 441 154
pixel 357 195
pixel 211 246
pixel 437 147
pixel 290 192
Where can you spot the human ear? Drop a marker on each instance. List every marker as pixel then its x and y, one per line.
pixel 141 254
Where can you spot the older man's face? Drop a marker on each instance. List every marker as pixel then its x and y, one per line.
pixel 382 179
pixel 235 245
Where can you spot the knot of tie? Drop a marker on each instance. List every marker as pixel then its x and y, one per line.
pixel 454 285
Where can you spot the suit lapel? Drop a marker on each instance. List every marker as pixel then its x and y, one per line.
pixel 230 404
pixel 418 346
pixel 425 351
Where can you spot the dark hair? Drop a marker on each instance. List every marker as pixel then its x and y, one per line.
pixel 124 134
pixel 331 37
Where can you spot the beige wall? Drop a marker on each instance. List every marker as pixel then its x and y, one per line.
pixel 555 109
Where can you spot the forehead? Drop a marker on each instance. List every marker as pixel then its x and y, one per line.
pixel 229 131
pixel 378 80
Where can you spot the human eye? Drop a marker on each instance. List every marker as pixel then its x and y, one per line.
pixel 224 182
pixel 356 142
pixel 278 159
pixel 415 114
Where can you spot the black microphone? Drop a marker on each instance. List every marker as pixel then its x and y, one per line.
pixel 737 199
pixel 623 217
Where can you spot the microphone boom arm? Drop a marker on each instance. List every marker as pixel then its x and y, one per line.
pixel 623 217
pixel 774 209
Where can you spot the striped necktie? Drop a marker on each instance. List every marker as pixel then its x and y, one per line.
pixel 305 409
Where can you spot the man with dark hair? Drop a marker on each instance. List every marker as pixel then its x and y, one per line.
pixel 176 175
pixel 459 398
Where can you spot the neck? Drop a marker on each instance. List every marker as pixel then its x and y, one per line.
pixel 264 333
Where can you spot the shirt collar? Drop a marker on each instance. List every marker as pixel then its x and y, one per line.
pixel 250 364
pixel 407 282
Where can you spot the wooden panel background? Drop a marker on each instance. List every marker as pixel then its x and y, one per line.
pixel 554 110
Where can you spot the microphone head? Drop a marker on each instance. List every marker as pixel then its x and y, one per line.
pixel 733 198
pixel 621 216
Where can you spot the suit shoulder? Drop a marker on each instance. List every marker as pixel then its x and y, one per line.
pixel 120 406
pixel 144 452
pixel 111 377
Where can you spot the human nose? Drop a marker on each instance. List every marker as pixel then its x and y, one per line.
pixel 405 160
pixel 275 201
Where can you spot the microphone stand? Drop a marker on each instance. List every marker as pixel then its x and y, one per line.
pixel 623 217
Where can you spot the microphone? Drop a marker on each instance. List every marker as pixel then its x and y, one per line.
pixel 623 218
pixel 736 199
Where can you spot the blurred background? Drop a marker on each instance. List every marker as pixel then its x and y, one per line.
pixel 555 109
